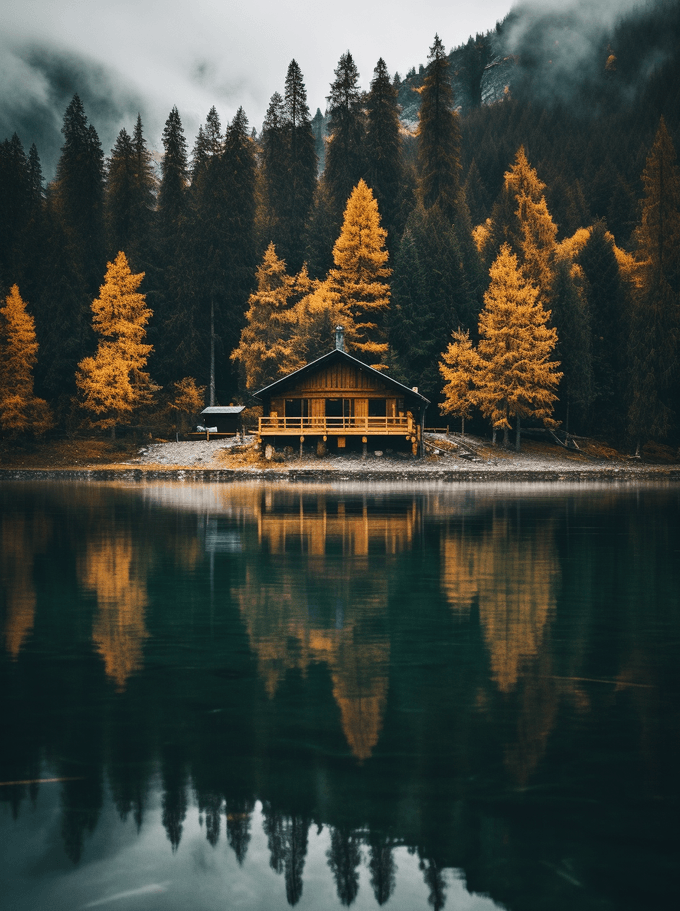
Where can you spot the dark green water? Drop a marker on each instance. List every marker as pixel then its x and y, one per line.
pixel 462 697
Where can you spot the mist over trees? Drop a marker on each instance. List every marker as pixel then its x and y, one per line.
pixel 236 234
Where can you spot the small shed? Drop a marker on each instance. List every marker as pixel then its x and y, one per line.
pixel 226 418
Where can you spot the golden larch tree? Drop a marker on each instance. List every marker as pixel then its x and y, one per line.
pixel 113 382
pixel 265 344
pixel 20 410
pixel 459 366
pixel 360 277
pixel 516 377
pixel 521 218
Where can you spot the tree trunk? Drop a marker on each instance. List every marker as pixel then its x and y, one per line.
pixel 517 434
pixel 506 438
pixel 463 427
pixel 113 431
pixel 212 354
pixel 493 437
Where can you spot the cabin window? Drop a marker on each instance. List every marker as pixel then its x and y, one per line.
pixel 296 408
pixel 339 408
pixel 377 408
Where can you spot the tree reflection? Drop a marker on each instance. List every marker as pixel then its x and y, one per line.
pixel 287 839
pixel 383 868
pixel 317 668
pixel 111 569
pixel 344 857
pixel 512 575
pixel 20 541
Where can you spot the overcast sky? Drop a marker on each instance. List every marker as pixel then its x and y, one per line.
pixel 196 53
pixel 125 56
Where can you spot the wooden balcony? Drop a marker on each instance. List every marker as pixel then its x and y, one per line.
pixel 325 426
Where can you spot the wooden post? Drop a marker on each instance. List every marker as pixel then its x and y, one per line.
pixel 302 439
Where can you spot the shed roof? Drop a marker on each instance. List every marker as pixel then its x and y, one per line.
pixel 336 354
pixel 223 409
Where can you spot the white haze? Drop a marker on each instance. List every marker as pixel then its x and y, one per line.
pixel 148 55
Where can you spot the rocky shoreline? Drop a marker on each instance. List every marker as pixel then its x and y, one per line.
pixel 209 462
pixel 326 475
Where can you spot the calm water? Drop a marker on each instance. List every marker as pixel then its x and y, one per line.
pixel 220 696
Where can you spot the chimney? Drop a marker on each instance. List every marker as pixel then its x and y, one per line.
pixel 340 338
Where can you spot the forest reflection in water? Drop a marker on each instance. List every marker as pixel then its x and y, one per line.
pixel 487 677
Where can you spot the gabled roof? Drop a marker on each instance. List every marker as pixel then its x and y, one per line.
pixel 336 354
pixel 223 409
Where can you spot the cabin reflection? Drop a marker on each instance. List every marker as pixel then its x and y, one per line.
pixel 316 525
pixel 335 616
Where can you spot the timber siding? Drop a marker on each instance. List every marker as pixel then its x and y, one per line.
pixel 338 396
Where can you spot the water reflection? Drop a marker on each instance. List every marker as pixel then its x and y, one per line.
pixel 110 568
pixel 485 679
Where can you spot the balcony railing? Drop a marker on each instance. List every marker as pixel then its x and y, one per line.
pixel 326 426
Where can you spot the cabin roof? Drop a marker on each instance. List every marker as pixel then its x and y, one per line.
pixel 336 354
pixel 223 409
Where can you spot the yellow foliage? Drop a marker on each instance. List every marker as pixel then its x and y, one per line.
pixel 187 398
pixel 112 382
pixel 516 375
pixel 20 410
pixel 480 234
pixel 266 340
pixel 570 247
pixel 459 365
pixel 361 273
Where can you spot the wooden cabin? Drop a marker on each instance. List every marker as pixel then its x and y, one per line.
pixel 345 403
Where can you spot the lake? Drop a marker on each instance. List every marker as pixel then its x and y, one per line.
pixel 261 696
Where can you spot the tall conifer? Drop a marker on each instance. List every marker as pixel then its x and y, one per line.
pixel 20 410
pixel 79 194
pixel 439 135
pixel 516 376
pixel 301 161
pixel 361 275
pixel 655 325
pixel 384 171
pixel 345 161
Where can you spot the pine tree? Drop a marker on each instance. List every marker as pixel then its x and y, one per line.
pixel 571 319
pixel 176 343
pixel 274 166
pixel 655 326
pixel 459 366
pixel 516 376
pixel 113 382
pixel 79 192
pixel 321 233
pixel 609 318
pixel 120 193
pixel 15 192
pixel 383 147
pixel 174 173
pixel 361 274
pixel 301 165
pixel 439 136
pixel 345 148
pixel 238 250
pixel 432 296
pixel 20 410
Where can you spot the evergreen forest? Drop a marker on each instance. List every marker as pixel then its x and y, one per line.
pixel 418 210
